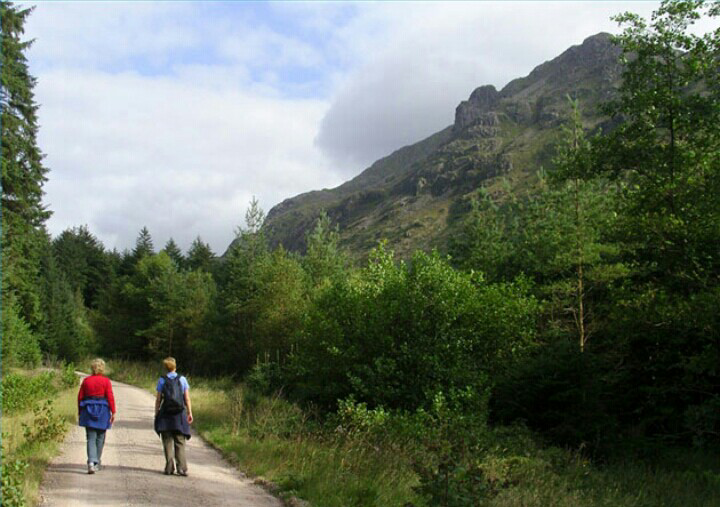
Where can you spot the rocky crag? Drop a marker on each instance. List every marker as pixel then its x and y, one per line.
pixel 415 197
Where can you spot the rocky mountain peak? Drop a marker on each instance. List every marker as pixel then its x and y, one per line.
pixel 415 196
pixel 482 101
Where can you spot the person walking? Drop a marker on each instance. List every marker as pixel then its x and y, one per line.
pixel 173 416
pixel 96 412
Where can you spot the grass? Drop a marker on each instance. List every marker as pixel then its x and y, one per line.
pixel 269 437
pixel 37 452
pixel 274 439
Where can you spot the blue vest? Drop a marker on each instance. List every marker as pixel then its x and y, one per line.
pixel 95 413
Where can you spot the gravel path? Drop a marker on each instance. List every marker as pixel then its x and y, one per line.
pixel 133 462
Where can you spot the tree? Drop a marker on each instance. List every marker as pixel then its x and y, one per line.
pixel 23 174
pixel 143 244
pixel 254 218
pixel 200 256
pixel 173 251
pixel 323 259
pixel 81 256
pixel 665 156
pixel 178 304
pixel 143 247
pixel 666 151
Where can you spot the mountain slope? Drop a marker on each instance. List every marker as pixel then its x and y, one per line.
pixel 413 197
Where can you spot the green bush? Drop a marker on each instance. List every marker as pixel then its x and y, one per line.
pixel 561 393
pixel 13 476
pixel 47 425
pixel 67 375
pixel 396 334
pixel 265 378
pixel 20 392
pixel 19 344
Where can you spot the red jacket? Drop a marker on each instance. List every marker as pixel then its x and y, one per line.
pixel 97 386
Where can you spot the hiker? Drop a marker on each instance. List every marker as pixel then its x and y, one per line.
pixel 173 416
pixel 96 412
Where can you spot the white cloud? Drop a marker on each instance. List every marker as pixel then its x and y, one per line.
pixel 173 154
pixel 173 114
pixel 430 56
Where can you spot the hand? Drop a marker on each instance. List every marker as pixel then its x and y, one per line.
pixel 190 418
pixel 112 418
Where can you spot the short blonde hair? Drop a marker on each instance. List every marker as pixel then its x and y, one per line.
pixel 97 366
pixel 170 364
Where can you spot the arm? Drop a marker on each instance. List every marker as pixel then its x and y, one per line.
pixel 111 399
pixel 81 395
pixel 158 399
pixel 189 406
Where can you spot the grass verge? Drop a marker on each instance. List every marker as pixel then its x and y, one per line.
pixel 333 467
pixel 32 432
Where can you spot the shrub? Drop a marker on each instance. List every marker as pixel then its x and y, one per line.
pixel 265 378
pixel 562 393
pixel 67 375
pixel 19 344
pixel 396 334
pixel 20 392
pixel 47 425
pixel 13 477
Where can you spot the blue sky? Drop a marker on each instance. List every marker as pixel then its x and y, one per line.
pixel 172 115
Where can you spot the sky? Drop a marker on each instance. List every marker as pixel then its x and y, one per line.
pixel 173 115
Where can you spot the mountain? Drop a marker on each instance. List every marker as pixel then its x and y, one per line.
pixel 415 196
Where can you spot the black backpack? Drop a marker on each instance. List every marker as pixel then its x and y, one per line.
pixel 173 398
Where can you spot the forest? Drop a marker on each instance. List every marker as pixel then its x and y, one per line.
pixel 583 309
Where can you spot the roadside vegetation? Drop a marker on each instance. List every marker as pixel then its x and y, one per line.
pixel 37 408
pixel 362 457
pixel 563 350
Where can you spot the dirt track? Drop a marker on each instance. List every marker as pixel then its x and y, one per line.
pixel 133 465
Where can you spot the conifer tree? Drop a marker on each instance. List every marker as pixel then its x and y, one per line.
pixel 323 258
pixel 173 251
pixel 200 256
pixel 143 244
pixel 23 174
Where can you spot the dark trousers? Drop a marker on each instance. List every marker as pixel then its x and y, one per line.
pixel 174 446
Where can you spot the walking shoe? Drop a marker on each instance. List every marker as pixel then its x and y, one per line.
pixel 91 469
pixel 182 472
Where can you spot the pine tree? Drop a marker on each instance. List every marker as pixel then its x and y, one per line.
pixel 81 256
pixel 23 174
pixel 143 244
pixel 323 259
pixel 174 253
pixel 200 256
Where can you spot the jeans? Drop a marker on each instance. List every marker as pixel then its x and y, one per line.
pixel 95 443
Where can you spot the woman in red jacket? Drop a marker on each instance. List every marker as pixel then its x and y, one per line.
pixel 96 412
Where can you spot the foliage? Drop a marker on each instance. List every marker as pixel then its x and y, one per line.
pixel 46 424
pixel 173 251
pixel 177 304
pixel 20 391
pixel 13 477
pixel 20 346
pixel 81 257
pixel 200 256
pixel 23 176
pixel 67 375
pixel 323 259
pixel 395 335
pixel 564 394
